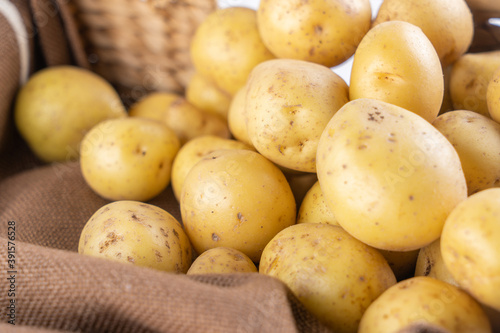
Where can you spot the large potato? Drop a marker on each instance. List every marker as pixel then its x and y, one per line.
pixel 476 139
pixel 447 23
pixel 493 96
pixel 128 158
pixel 324 32
pixel 288 104
pixel 226 46
pixel 206 96
pixel 470 246
pixel 58 105
pixel 334 275
pixel 388 175
pixel 396 63
pixel 238 199
pixel 137 233
pixel 431 304
pixel 222 260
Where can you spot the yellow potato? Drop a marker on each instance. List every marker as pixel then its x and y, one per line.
pixel 205 95
pixel 430 263
pixel 334 275
pixel 476 139
pixel 238 199
pixel 493 96
pixel 469 80
pixel 236 117
pixel 388 175
pixel 193 151
pixel 137 233
pixel 222 260
pixel 58 105
pixel 431 304
pixel 396 63
pixel 226 46
pixel 324 32
pixel 288 104
pixel 470 246
pixel 178 114
pixel 447 23
pixel 128 158
pixel 314 208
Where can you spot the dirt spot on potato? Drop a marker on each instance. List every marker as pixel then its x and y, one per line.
pixel 159 257
pixel 130 259
pixel 215 237
pixel 176 234
pixel 111 238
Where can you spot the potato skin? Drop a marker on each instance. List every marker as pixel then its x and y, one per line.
pixel 236 117
pixel 389 176
pixel 396 63
pixel 222 260
pixel 430 263
pixel 206 96
pixel 314 208
pixel 493 96
pixel 137 233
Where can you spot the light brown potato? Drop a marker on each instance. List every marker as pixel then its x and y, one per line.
pixel 447 23
pixel 222 260
pixel 206 96
pixel 476 139
pixel 324 32
pixel 493 96
pixel 236 117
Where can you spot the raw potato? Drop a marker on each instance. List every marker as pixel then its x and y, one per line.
pixel 206 96
pixel 288 104
pixel 58 105
pixel 193 151
pixel 128 158
pixel 182 117
pixel 222 260
pixel 493 96
pixel 388 175
pixel 238 199
pixel 227 46
pixel 334 275
pixel 430 263
pixel 426 302
pixel 447 23
pixel 324 32
pixel 386 68
pixel 236 117
pixel 469 80
pixel 476 139
pixel 314 208
pixel 470 246
pixel 137 233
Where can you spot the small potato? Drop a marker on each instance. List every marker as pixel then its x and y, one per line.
pixel 193 151
pixel 493 96
pixel 206 96
pixel 430 263
pixel 182 117
pixel 476 139
pixel 314 208
pixel 137 233
pixel 222 260
pixel 227 46
pixel 388 175
pixel 469 80
pixel 236 117
pixel 235 198
pixel 288 104
pixel 323 32
pixel 128 158
pixel 385 67
pixel 334 275
pixel 431 304
pixel 58 105
pixel 470 246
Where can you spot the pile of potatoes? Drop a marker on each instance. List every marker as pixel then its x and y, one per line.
pixel 376 202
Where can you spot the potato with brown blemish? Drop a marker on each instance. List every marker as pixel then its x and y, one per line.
pixel 333 274
pixel 222 260
pixel 430 263
pixel 137 233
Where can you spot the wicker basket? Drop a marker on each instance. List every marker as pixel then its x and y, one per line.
pixel 140 45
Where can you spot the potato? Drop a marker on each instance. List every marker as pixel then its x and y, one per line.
pixel 447 23
pixel 238 199
pixel 206 96
pixel 226 46
pixel 324 32
pixel 236 117
pixel 470 246
pixel 427 302
pixel 396 63
pixel 137 233
pixel 388 175
pixel 58 105
pixel 193 151
pixel 182 117
pixel 493 96
pixel 469 80
pixel 222 260
pixel 476 139
pixel 128 158
pixel 401 263
pixel 288 104
pixel 334 275
pixel 430 263
pixel 314 208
